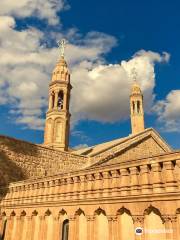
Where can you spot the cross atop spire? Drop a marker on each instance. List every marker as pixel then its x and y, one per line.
pixel 62 46
pixel 134 74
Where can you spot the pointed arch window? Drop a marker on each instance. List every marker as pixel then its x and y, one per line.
pixel 65 230
pixel 133 103
pixel 60 100
pixel 138 106
pixel 53 99
pixel 4 229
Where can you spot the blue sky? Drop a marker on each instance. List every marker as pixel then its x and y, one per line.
pixel 99 33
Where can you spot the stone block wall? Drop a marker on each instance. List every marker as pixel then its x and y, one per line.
pixel 21 160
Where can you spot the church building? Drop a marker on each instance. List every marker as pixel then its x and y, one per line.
pixel 125 189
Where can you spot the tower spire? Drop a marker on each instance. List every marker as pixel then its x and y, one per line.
pixel 57 125
pixel 136 105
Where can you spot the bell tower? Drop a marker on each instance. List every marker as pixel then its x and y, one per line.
pixel 136 106
pixel 57 124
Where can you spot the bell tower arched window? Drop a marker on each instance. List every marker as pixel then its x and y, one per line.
pixel 138 106
pixel 65 229
pixel 53 99
pixel 60 100
pixel 133 103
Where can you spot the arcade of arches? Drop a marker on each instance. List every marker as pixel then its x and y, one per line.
pixel 61 226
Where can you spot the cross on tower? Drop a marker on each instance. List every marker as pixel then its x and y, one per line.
pixel 62 46
pixel 134 74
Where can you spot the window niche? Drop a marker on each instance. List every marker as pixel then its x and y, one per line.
pixel 65 230
pixel 60 100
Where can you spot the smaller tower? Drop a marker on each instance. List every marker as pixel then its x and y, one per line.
pixel 136 106
pixel 57 124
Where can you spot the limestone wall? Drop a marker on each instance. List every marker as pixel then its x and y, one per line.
pixel 109 202
pixel 22 160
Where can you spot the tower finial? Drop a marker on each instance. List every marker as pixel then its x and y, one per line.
pixel 134 73
pixel 62 46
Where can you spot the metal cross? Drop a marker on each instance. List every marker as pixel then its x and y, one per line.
pixel 62 46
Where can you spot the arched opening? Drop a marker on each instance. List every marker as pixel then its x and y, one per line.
pixel 125 225
pixel 4 228
pixel 53 99
pixel 81 225
pixel 133 104
pixel 101 225
pixel 60 100
pixel 138 106
pixel 154 225
pixel 65 229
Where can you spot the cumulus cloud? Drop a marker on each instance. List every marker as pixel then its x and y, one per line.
pixel 100 90
pixel 102 93
pixel 43 9
pixel 168 111
pixel 26 64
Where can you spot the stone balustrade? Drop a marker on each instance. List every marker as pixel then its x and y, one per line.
pixel 122 180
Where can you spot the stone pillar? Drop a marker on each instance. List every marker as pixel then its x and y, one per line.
pixel 171 184
pixel 139 223
pixel 114 183
pixel 178 172
pixel 50 101
pixel 72 227
pixel 90 228
pixel 106 183
pixel 110 224
pixel 82 186
pixel 125 180
pixel 89 185
pixel 9 226
pixel 134 180
pixel 76 187
pixel 56 100
pixel 42 228
pixel 175 227
pixel 144 180
pixel 28 235
pixel 168 228
pixel 56 232
pixel 157 178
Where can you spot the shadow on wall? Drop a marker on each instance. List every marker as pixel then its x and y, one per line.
pixel 18 146
pixel 9 172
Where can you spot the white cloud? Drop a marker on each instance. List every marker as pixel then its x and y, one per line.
pixel 26 65
pixel 168 111
pixel 42 9
pixel 102 93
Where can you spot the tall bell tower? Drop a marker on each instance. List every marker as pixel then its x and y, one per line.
pixel 136 106
pixel 57 124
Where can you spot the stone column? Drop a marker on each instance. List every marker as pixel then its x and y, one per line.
pixel 171 184
pixel 82 186
pixel 125 180
pixel 106 183
pixel 42 228
pixel 90 228
pixel 134 181
pixel 72 229
pixel 139 223
pixel 28 235
pixel 97 184
pixel 157 178
pixel 9 226
pixel 50 101
pixel 56 232
pixel 168 228
pixel 114 183
pixel 144 180
pixel 56 100
pixel 111 227
pixel 178 172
